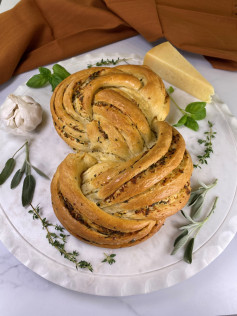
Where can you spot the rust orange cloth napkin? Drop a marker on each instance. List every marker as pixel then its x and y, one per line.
pixel 38 32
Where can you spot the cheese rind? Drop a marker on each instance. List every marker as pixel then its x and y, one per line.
pixel 171 66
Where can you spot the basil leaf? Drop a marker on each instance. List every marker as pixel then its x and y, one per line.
pixel 180 241
pixel 195 107
pixel 189 251
pixel 199 115
pixel 182 121
pixel 170 90
pixel 40 172
pixel 28 190
pixel 60 71
pixel 192 124
pixel 17 178
pixel 7 170
pixel 37 81
pixel 55 80
pixel 45 72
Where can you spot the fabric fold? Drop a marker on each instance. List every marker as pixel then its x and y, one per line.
pixel 38 32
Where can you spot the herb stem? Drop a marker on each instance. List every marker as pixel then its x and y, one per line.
pixel 19 149
pixel 181 110
pixel 28 165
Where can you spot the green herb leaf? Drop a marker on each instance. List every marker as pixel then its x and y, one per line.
pixel 7 170
pixel 41 173
pixel 45 72
pixel 194 196
pixel 109 258
pixel 28 190
pixel 17 178
pixel 45 76
pixel 197 207
pixel 55 80
pixel 60 71
pixel 170 90
pixel 184 233
pixel 37 81
pixel 192 124
pixel 207 142
pixel 107 62
pixel 193 227
pixel 187 217
pixel 193 112
pixel 85 265
pixel 195 107
pixel 180 241
pixel 188 254
pixel 199 115
pixel 182 121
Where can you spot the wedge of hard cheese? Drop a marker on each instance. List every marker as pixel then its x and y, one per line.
pixel 171 66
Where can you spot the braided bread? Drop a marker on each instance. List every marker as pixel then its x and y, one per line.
pixel 130 170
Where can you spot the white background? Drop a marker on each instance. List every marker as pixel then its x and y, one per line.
pixel 213 291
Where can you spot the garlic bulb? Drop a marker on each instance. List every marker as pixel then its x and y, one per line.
pixel 21 113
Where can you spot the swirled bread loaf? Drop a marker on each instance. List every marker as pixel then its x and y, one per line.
pixel 131 170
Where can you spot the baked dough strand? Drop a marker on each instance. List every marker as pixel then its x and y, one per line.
pixel 130 170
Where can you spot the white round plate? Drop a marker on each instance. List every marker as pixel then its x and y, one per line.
pixel 139 269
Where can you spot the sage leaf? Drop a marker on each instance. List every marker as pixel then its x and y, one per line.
pixel 28 190
pixel 188 254
pixel 37 81
pixel 187 217
pixel 60 71
pixel 197 207
pixel 199 115
pixel 7 170
pixel 17 178
pixel 41 173
pixel 180 241
pixel 195 107
pixel 182 121
pixel 192 124
pixel 184 233
pixel 194 195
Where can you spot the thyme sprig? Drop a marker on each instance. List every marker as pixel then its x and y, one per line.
pixel 207 142
pixel 58 239
pixel 106 62
pixel 109 258
pixel 193 112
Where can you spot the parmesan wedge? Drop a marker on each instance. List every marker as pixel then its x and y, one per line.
pixel 171 66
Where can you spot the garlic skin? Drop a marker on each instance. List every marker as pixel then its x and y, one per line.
pixel 21 113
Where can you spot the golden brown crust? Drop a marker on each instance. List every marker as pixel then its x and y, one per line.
pixel 131 170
